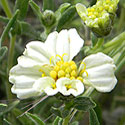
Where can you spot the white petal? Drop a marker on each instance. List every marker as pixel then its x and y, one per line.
pixel 51 42
pixel 76 89
pixel 100 68
pixel 45 84
pixel 63 44
pixel 25 93
pixel 76 43
pixel 24 77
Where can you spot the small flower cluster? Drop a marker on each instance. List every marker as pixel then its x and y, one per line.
pixel 100 16
pixel 49 68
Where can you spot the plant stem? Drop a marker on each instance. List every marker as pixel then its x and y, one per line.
pixel 6 8
pixel 86 94
pixel 121 64
pixel 122 55
pixel 99 43
pixel 116 40
pixel 11 52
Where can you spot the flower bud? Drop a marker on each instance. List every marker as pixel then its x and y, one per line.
pixel 48 18
pixel 99 18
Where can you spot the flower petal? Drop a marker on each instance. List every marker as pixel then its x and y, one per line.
pixel 45 84
pixel 76 89
pixel 24 77
pixel 25 93
pixel 100 68
pixel 62 45
pixel 51 42
pixel 76 43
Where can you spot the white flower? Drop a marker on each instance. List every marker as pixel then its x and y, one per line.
pixel 31 76
pixel 48 67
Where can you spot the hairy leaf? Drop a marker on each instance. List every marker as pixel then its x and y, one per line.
pixel 66 17
pixel 93 119
pixel 35 119
pixel 22 5
pixel 84 103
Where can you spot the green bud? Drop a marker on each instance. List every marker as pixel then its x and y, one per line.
pixel 48 18
pixel 99 18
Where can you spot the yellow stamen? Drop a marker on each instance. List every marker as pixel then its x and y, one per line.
pixel 73 73
pixel 50 60
pixel 53 85
pixel 72 77
pixel 53 74
pixel 68 86
pixel 80 78
pixel 60 57
pixel 84 65
pixel 61 73
pixel 73 67
pixel 43 75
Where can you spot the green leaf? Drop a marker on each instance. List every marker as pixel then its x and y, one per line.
pixel 48 5
pixel 2 107
pixel 66 17
pixel 56 111
pixel 62 112
pixel 3 51
pixel 28 30
pixel 75 123
pixel 6 122
pixel 84 103
pixel 4 19
pixel 93 119
pixel 8 27
pixel 36 9
pixel 23 119
pixel 57 120
pixel 35 119
pixel 94 39
pixel 61 9
pixel 10 107
pixel 22 5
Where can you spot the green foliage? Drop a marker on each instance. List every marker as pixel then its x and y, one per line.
pixel 9 107
pixel 9 26
pixel 93 120
pixel 48 5
pixel 66 17
pixel 22 5
pixel 35 119
pixel 84 103
pixel 3 51
pixel 57 121
pixel 18 24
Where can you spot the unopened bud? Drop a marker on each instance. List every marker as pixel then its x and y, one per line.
pixel 48 18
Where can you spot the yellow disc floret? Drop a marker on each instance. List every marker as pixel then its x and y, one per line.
pixel 61 73
pixel 53 74
pixel 66 69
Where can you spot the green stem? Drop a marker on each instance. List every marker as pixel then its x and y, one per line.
pixel 86 94
pixel 99 43
pixel 121 64
pixel 122 19
pixel 6 8
pixel 11 52
pixel 10 63
pixel 122 55
pixel 116 40
pixel 66 120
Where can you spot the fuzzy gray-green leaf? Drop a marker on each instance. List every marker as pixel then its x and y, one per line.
pixel 93 119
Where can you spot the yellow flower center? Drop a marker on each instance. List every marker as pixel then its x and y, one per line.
pixel 66 69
